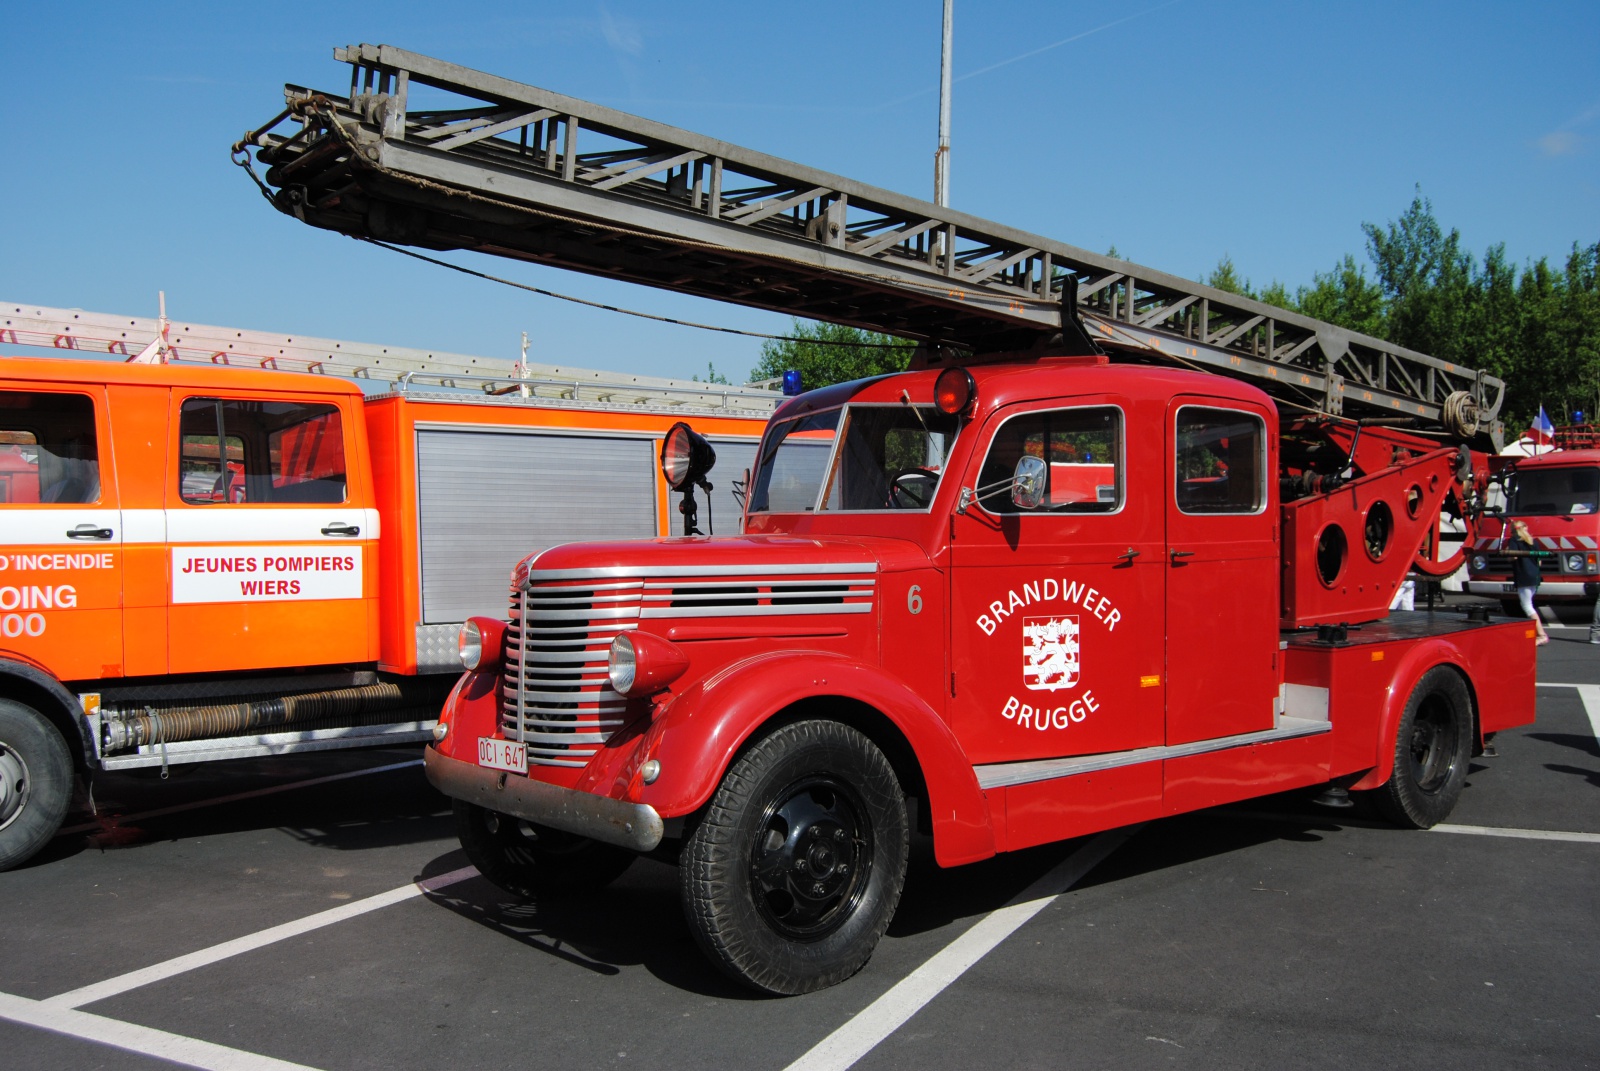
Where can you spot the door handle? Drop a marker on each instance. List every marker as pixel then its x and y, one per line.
pixel 339 528
pixel 1179 554
pixel 88 531
pixel 1127 556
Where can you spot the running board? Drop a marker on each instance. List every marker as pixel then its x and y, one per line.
pixel 1001 774
pixel 285 743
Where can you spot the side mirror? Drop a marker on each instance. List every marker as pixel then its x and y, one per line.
pixel 1028 482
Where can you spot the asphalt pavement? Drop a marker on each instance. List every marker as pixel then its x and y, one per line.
pixel 317 911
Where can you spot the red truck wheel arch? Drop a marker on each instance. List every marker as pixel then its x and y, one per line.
pixel 701 732
pixel 1416 663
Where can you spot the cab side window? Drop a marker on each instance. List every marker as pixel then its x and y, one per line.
pixel 48 448
pixel 245 451
pixel 1221 461
pixel 1083 454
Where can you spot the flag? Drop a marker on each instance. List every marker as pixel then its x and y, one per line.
pixel 1542 431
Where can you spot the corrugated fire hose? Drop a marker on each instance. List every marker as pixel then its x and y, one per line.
pixel 148 724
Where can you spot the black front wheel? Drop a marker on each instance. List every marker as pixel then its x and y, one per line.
pixel 529 861
pixel 35 782
pixel 1432 747
pixel 795 870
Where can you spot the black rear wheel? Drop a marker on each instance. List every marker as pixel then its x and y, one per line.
pixel 1433 745
pixel 35 782
pixel 793 874
pixel 529 860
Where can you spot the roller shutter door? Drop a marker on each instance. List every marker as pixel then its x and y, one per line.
pixel 733 457
pixel 487 499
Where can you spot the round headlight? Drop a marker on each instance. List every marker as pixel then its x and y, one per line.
pixel 1574 563
pixel 469 645
pixel 685 457
pixel 622 665
pixel 1479 563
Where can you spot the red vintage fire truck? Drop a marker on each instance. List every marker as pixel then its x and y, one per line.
pixel 1117 546
pixel 214 558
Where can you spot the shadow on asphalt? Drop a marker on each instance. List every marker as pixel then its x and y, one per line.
pixel 1589 745
pixel 1592 776
pixel 634 922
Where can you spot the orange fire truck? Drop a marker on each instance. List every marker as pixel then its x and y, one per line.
pixel 206 559
pixel 1058 577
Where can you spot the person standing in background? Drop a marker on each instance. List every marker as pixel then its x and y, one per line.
pixel 1525 575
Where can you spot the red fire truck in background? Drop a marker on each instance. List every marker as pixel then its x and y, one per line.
pixel 1556 493
pixel 1016 594
pixel 202 562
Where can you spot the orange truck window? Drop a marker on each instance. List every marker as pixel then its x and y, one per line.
pixel 48 450
pixel 250 451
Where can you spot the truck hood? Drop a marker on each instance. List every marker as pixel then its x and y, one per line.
pixel 733 576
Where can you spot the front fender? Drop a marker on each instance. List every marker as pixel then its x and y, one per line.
pixel 1416 662
pixel 697 735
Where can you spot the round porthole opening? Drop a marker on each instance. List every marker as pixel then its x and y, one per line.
pixel 1378 530
pixel 1332 547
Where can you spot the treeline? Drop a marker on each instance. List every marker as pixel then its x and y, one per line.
pixel 1536 326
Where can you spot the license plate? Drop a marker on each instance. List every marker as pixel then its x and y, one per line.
pixel 1511 589
pixel 502 755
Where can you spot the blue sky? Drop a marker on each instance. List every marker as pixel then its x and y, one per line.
pixel 1176 130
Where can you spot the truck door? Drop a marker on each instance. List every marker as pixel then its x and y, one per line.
pixel 1056 611
pixel 273 535
pixel 1221 566
pixel 60 531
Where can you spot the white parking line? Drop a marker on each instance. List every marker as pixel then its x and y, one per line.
pixel 77 998
pixel 856 1038
pixel 191 1052
pixel 1524 834
pixel 1588 695
pixel 90 827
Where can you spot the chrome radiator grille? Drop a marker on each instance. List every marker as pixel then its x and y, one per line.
pixel 557 697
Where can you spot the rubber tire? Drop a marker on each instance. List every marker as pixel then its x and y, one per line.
pixel 715 866
pixel 26 733
pixel 1414 797
pixel 530 861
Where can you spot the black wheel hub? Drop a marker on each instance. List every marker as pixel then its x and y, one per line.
pixel 811 858
pixel 1433 745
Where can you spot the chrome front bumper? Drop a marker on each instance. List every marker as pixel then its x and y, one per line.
pixel 1548 589
pixel 627 825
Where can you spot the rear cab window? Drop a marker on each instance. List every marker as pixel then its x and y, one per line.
pixel 248 451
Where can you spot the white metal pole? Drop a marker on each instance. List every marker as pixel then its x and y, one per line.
pixel 941 158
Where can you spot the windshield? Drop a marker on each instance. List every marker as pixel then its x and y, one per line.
pixel 1556 492
pixel 888 457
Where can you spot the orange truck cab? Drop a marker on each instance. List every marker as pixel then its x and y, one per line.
pixel 202 563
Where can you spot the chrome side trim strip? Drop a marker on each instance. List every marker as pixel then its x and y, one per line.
pixel 645 572
pixel 755 611
pixel 1002 774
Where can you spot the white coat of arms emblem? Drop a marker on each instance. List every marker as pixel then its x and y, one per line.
pixel 1050 659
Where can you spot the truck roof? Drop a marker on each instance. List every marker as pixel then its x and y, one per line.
pixel 78 370
pixel 1004 384
pixel 1557 459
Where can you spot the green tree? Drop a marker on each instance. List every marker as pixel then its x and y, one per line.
pixel 1346 297
pixel 1225 277
pixel 831 353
